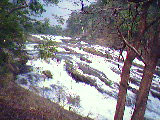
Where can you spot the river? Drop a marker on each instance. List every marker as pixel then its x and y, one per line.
pixel 84 78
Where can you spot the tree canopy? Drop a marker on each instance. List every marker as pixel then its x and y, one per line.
pixel 137 24
pixel 15 19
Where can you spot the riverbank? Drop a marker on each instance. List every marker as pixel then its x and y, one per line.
pixel 17 103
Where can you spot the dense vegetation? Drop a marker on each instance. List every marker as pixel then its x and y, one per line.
pixel 95 23
pixel 43 27
pixel 15 23
pixel 91 22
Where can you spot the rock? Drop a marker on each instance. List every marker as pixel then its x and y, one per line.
pixel 155 94
pixel 85 59
pixel 98 53
pixel 67 49
pixel 91 71
pixel 33 39
pixel 80 77
pixel 23 81
pixel 94 52
pixel 70 50
pixel 70 68
pixel 47 73
pixel 25 69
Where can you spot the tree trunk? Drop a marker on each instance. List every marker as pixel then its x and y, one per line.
pixel 124 85
pixel 142 96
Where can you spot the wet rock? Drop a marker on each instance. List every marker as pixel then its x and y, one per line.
pixel 138 65
pixel 157 72
pixel 133 90
pixel 47 73
pixel 90 81
pixel 137 83
pixel 67 49
pixel 117 71
pixel 79 77
pixel 96 52
pixel 139 71
pixel 23 81
pixel 156 88
pixel 134 81
pixel 85 59
pixel 93 51
pixel 148 118
pixel 76 75
pixel 91 71
pixel 31 38
pixel 25 69
pixel 70 51
pixel 155 94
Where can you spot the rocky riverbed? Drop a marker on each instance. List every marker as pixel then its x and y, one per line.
pixel 84 78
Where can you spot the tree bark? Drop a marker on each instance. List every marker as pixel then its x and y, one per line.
pixel 124 85
pixel 144 88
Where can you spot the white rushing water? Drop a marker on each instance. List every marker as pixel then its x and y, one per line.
pixel 80 97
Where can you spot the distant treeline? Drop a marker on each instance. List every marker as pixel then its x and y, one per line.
pixel 43 27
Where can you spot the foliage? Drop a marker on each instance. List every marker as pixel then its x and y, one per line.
pixel 137 24
pixel 15 20
pixel 73 25
pixel 59 19
pixel 43 27
pixel 92 21
pixel 47 49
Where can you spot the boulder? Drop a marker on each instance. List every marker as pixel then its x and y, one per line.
pixel 47 73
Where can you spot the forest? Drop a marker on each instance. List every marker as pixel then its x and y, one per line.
pixel 131 27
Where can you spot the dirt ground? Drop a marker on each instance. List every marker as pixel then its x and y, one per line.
pixel 17 103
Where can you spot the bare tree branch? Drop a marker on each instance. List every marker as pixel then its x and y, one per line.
pixel 17 8
pixel 130 46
